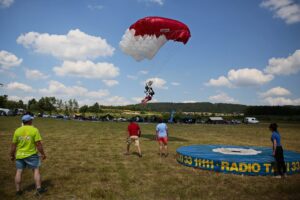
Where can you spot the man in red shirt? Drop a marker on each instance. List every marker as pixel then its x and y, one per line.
pixel 134 132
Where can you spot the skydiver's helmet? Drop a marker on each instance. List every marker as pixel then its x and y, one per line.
pixel 150 83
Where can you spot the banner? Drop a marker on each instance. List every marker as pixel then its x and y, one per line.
pixel 246 160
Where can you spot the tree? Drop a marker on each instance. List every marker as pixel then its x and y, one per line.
pixel 47 104
pixel 3 101
pixel 32 105
pixel 94 108
pixel 83 109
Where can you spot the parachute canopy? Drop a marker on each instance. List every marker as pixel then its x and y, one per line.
pixel 145 37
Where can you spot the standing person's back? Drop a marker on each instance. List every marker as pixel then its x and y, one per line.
pixel 25 138
pixel 134 132
pixel 25 146
pixel 162 137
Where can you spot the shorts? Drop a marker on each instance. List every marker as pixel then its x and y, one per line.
pixel 31 162
pixel 163 140
pixel 133 139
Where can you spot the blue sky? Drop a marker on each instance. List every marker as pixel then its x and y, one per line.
pixel 245 52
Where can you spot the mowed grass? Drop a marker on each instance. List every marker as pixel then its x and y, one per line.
pixel 85 161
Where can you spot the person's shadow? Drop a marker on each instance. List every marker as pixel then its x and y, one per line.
pixel 170 138
pixel 45 184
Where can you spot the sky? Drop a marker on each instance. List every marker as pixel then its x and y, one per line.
pixel 240 51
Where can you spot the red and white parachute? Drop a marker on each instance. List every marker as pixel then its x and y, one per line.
pixel 145 37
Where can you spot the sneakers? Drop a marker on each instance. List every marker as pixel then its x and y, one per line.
pixel 40 191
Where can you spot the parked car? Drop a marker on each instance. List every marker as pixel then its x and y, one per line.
pixel 6 112
pixel 250 120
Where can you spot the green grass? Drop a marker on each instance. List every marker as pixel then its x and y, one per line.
pixel 86 161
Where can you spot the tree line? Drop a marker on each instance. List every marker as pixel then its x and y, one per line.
pixel 53 105
pixel 48 105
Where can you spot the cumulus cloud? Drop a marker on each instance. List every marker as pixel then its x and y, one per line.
pixel 87 69
pixel 34 74
pixel 287 10
pixel 8 60
pixel 284 66
pixel 248 77
pixel 25 99
pixel 276 91
pixel 141 47
pixel 110 83
pixel 6 3
pixel 280 101
pixel 19 86
pixel 245 77
pixel 76 45
pixel 56 88
pixel 157 83
pixel 219 82
pixel 222 98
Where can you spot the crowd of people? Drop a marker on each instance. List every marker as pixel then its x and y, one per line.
pixel 27 149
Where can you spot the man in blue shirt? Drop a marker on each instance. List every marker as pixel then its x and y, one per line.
pixel 277 151
pixel 162 138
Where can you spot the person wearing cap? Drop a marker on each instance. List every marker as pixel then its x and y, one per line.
pixel 134 132
pixel 162 137
pixel 25 146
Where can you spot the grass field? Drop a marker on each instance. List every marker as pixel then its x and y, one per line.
pixel 86 161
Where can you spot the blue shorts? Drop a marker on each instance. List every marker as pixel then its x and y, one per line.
pixel 31 162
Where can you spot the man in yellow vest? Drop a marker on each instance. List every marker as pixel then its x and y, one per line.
pixel 24 149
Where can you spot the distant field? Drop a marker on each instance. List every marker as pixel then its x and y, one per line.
pixel 86 161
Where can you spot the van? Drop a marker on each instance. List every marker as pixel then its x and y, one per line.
pixel 250 120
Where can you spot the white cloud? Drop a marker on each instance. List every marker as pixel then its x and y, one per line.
pixel 279 101
pixel 132 77
pixel 6 3
pixel 245 77
pixel 221 81
pixel 115 100
pixel 189 101
pixel 110 83
pixel 144 72
pixel 248 77
pixel 19 86
pixel 56 88
pixel 222 98
pixel 95 7
pixel 276 91
pixel 284 66
pixel 175 83
pixel 8 60
pixel 76 45
pixel 25 99
pixel 157 83
pixel 287 10
pixel 34 74
pixel 158 2
pixel 87 69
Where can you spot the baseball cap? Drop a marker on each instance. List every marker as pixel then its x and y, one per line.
pixel 27 118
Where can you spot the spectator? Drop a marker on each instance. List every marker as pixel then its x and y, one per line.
pixel 134 132
pixel 24 150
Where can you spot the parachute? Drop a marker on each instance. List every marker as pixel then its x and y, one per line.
pixel 144 38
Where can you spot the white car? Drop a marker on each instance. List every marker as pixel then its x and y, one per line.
pixel 251 120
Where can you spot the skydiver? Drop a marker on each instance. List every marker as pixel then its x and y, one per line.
pixel 148 91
